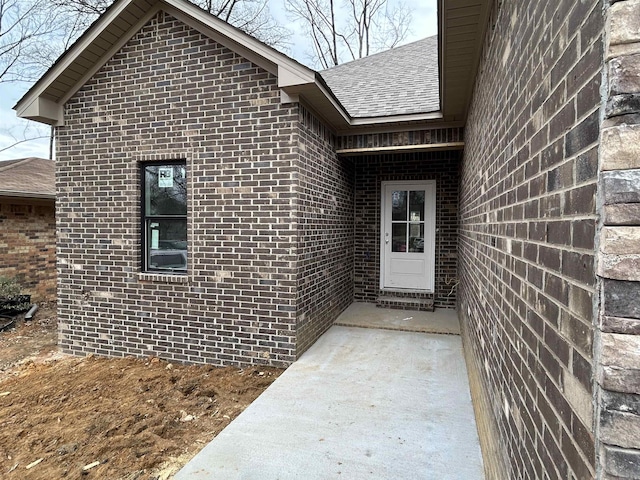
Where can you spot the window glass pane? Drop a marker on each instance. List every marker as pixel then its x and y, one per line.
pixel 167 244
pixel 165 190
pixel 399 237
pixel 416 237
pixel 416 206
pixel 399 206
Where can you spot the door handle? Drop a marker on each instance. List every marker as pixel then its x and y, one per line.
pixel 386 237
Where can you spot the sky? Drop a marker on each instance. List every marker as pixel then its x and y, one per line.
pixel 13 129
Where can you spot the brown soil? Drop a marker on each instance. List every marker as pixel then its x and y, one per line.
pixel 83 418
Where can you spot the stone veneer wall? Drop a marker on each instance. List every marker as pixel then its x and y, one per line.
pixel 370 172
pixel 527 232
pixel 325 196
pixel 28 246
pixel 172 93
pixel 619 254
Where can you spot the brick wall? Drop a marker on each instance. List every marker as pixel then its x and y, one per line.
pixel 28 246
pixel 324 216
pixel 619 250
pixel 370 172
pixel 400 138
pixel 171 93
pixel 527 229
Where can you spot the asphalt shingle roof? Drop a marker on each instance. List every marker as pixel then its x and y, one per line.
pixel 399 81
pixel 28 177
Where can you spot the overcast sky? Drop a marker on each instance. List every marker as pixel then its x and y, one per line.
pixel 12 129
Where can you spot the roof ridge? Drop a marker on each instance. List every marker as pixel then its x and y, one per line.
pixel 15 163
pixel 388 50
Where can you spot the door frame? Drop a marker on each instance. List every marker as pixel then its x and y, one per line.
pixel 429 231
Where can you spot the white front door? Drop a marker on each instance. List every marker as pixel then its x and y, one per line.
pixel 408 240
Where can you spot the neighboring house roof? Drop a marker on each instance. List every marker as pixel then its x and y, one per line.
pixel 399 81
pixel 28 178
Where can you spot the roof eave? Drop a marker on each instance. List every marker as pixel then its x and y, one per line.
pixel 29 105
pixel 41 110
pixel 462 26
pixel 402 118
pixel 35 104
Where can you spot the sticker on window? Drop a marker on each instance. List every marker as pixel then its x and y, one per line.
pixel 155 238
pixel 165 177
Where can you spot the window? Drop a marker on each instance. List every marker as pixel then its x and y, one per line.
pixel 164 216
pixel 407 224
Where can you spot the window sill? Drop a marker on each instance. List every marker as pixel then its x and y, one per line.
pixel 163 277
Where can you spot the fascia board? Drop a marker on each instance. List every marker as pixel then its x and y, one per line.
pixel 413 117
pixel 110 53
pixel 289 72
pixel 42 110
pixel 71 55
pixel 294 72
pixel 347 121
pixel 214 34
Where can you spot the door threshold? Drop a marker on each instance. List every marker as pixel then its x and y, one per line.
pixel 406 303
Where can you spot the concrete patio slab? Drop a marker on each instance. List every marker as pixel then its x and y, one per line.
pixel 361 403
pixel 368 315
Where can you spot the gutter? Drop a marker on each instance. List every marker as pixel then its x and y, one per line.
pixel 425 147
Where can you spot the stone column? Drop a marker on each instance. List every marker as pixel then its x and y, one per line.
pixel 618 349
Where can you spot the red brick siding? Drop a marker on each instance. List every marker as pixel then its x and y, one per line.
pixel 28 247
pixel 171 93
pixel 528 217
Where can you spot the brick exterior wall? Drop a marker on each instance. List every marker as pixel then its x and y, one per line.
pixel 370 172
pixel 401 138
pixel 171 93
pixel 28 246
pixel 618 375
pixel 527 229
pixel 325 231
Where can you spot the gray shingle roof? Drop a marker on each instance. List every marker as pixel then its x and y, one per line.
pixel 28 178
pixel 402 80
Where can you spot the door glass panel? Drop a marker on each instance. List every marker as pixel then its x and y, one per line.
pixel 416 237
pixel 399 206
pixel 399 237
pixel 416 206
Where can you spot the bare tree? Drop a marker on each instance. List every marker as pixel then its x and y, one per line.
pixel 24 24
pixel 250 16
pixel 33 33
pixel 352 30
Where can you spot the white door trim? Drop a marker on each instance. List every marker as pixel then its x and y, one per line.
pixel 429 187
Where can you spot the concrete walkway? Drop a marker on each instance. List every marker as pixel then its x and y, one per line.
pixel 360 404
pixel 368 315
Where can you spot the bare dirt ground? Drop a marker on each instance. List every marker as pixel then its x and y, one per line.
pixel 64 417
